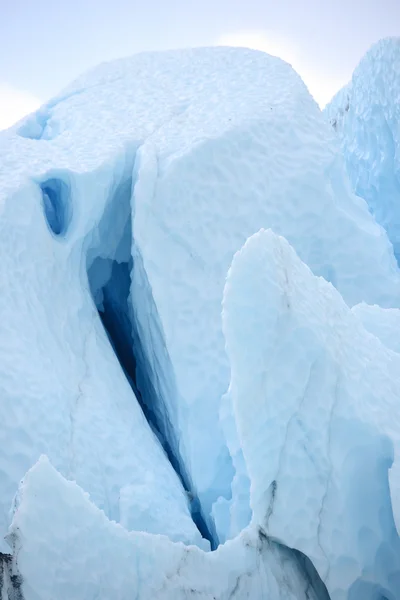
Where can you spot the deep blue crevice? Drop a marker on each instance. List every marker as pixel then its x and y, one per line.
pixel 110 286
pixel 116 316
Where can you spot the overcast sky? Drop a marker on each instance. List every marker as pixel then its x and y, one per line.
pixel 47 43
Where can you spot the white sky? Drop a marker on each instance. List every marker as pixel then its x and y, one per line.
pixel 14 104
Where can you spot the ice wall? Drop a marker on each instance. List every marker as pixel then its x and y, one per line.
pixel 384 323
pixel 122 204
pixel 366 116
pixel 65 547
pixel 316 403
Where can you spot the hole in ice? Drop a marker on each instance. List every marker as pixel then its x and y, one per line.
pixel 56 205
pixel 110 285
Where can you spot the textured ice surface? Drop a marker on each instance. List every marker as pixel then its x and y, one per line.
pixel 366 116
pixel 62 390
pixel 64 548
pixel 214 143
pixel 384 323
pixel 122 202
pixel 316 403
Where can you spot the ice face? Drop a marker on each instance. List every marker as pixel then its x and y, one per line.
pixel 63 390
pixel 67 548
pixel 316 403
pixel 124 201
pixel 310 427
pixel 366 116
pixel 384 323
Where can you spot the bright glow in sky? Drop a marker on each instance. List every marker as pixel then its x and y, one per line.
pixel 321 86
pixel 15 104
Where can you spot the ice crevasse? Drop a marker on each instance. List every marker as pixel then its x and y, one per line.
pixel 123 203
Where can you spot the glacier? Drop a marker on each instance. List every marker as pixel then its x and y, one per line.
pixel 107 561
pixel 198 333
pixel 315 398
pixel 384 323
pixel 365 115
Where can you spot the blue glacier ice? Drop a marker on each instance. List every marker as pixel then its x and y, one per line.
pixel 195 343
pixel 366 117
pixel 80 554
pixel 384 323
pixel 316 402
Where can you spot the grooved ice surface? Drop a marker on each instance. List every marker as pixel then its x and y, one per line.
pixel 316 403
pixel 366 116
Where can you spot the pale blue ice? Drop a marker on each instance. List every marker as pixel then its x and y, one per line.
pixel 199 365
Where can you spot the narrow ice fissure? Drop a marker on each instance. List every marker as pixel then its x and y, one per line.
pixel 110 285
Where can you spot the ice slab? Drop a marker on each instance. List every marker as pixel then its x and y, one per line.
pixel 315 398
pixel 366 117
pixel 197 150
pixel 65 547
